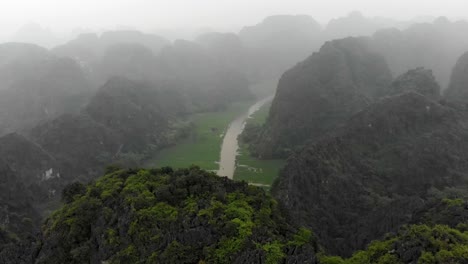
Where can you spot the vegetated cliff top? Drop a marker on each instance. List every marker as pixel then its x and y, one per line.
pixel 439 235
pixel 166 216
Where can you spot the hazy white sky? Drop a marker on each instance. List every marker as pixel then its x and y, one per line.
pixel 62 15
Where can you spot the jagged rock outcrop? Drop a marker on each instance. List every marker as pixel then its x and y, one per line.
pixel 166 216
pixel 321 93
pixel 374 173
pixel 418 80
pixel 458 88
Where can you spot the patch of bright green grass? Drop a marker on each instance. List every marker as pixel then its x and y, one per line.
pixel 256 171
pixel 251 169
pixel 260 117
pixel 203 147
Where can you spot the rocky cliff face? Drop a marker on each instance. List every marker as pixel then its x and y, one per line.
pixel 458 88
pixel 321 93
pixel 371 176
pixel 81 144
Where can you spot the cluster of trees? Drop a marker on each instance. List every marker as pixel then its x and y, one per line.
pixel 167 216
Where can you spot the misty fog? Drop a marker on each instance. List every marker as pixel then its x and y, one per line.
pixel 249 131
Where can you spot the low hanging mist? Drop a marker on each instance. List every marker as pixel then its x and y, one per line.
pixel 233 131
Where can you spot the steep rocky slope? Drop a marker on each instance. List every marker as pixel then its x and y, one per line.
pixel 81 144
pixel 124 121
pixel 124 117
pixel 370 177
pixel 166 216
pixel 321 93
pixel 458 88
pixel 28 177
pixel 132 109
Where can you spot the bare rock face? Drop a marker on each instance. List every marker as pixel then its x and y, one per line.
pixel 371 176
pixel 418 80
pixel 458 89
pixel 321 93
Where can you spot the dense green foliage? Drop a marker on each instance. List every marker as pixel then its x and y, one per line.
pixel 166 216
pixel 420 244
pixel 440 236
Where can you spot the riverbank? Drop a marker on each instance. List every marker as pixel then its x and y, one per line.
pixel 255 171
pixel 229 149
pixel 203 146
pixel 213 145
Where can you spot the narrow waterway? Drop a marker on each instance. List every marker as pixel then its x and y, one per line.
pixel 227 163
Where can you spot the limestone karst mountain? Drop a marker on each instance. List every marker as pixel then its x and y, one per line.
pixel 418 80
pixel 370 176
pixel 166 216
pixel 458 88
pixel 36 86
pixel 321 93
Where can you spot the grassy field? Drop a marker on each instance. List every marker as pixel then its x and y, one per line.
pixel 253 170
pixel 204 146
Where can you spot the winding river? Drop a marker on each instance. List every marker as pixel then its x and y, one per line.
pixel 227 163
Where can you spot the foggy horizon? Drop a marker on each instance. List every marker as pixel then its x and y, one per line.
pixel 186 19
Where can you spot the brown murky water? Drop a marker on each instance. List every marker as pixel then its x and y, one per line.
pixel 227 163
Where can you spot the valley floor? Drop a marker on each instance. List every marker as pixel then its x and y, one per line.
pixel 255 171
pixel 203 147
